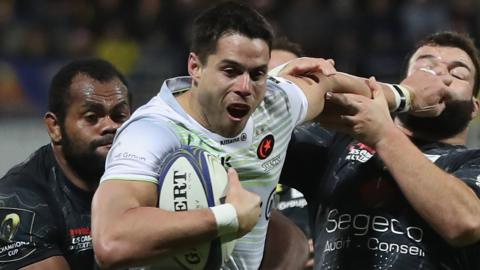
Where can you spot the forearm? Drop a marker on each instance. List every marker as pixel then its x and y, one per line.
pixel 127 228
pixel 443 200
pixel 54 262
pixel 146 234
pixel 346 83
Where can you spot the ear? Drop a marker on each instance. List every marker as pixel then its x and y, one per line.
pixel 194 67
pixel 53 127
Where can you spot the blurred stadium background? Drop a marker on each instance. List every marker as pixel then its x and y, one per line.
pixel 148 41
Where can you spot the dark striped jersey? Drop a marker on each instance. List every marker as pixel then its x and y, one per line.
pixel 43 214
pixel 362 220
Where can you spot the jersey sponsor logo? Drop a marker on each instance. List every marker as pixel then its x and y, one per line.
pixel 80 239
pixel 242 137
pixel 9 226
pixel 271 163
pixel 126 155
pixel 365 227
pixel 265 147
pixel 360 152
pixel 13 246
pixel 294 203
pixel 226 161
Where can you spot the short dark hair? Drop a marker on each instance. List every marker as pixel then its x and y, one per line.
pixel 227 18
pixel 457 40
pixel 59 92
pixel 284 44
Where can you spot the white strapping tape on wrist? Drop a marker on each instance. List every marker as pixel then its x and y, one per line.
pixel 397 98
pixel 226 218
pixel 405 98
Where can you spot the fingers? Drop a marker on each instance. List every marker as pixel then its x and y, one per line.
pixel 305 65
pixel 372 84
pixel 327 67
pixel 348 120
pixel 429 111
pixel 349 102
pixel 375 88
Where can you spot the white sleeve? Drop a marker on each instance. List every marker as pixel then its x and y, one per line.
pixel 138 150
pixel 298 100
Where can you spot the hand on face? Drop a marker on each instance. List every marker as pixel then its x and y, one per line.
pixel 365 119
pixel 429 91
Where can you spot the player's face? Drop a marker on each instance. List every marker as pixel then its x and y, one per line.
pixel 453 64
pixel 457 70
pixel 280 57
pixel 96 110
pixel 231 83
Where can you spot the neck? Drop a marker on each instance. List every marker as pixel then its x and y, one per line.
pixel 71 175
pixel 186 101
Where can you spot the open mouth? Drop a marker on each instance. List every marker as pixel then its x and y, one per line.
pixel 238 111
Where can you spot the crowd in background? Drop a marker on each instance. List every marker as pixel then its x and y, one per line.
pixel 147 39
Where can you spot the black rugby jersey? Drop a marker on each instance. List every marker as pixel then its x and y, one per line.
pixel 362 220
pixel 293 205
pixel 43 214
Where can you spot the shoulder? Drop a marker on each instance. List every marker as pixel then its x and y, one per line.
pixel 35 168
pixel 27 184
pixel 149 129
pixel 452 156
pixel 27 211
pixel 281 84
pixel 313 133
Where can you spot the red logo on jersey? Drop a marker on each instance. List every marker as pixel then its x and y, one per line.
pixel 265 147
pixel 360 152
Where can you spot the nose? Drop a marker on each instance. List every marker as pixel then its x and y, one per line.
pixel 244 85
pixel 447 79
pixel 442 71
pixel 108 125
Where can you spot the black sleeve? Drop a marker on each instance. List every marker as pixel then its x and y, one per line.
pixel 306 157
pixel 28 230
pixel 469 173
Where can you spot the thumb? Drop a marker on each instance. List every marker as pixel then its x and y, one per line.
pixel 331 61
pixel 374 88
pixel 233 179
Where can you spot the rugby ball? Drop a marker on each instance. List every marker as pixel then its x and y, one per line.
pixel 191 178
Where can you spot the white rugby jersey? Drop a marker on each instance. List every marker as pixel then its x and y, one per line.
pixel 257 152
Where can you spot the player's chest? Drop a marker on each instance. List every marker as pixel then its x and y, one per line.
pixel 255 152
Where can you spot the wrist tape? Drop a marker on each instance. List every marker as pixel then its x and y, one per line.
pixel 403 98
pixel 226 218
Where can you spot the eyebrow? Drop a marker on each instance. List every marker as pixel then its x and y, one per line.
pixel 453 64
pixel 238 65
pixel 99 106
